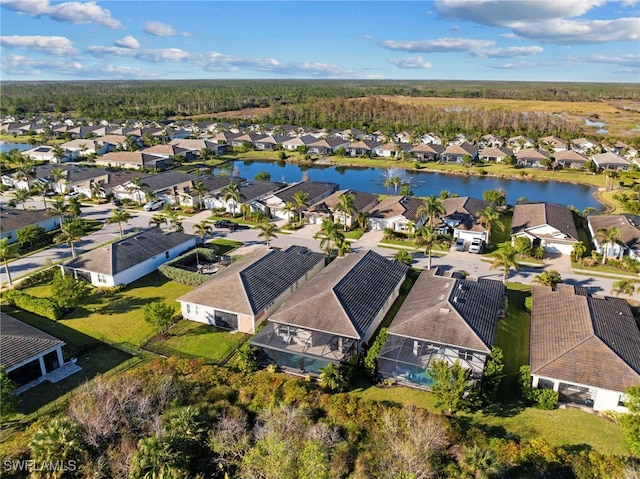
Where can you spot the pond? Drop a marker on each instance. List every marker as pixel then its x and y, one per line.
pixel 423 183
pixel 10 146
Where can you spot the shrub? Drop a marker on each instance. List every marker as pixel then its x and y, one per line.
pixel 524 383
pixel 371 359
pixel 41 306
pixel 39 277
pixel 184 276
pixel 545 398
pixel 528 303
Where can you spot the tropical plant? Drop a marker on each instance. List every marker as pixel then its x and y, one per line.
pixel 289 209
pixel 432 208
pixel 58 208
pixel 267 231
pixel 70 232
pixel 57 441
pixel 301 200
pixel 579 249
pixel 159 314
pixel 450 383
pixel 426 237
pixel 73 207
pixel 8 398
pixel 479 463
pixel 158 220
pixel 332 378
pixel 25 172
pixel 7 252
pixel 198 187
pixel 342 246
pixel 97 190
pixel 548 278
pixel 59 153
pixel 135 188
pixel 120 217
pixel 203 229
pixel 607 238
pixel 403 256
pixel 497 197
pixel 175 222
pixel 67 291
pixel 346 205
pixel 489 217
pixel 328 234
pixel 232 192
pixel 59 176
pixel 623 286
pixel 504 257
pixel 21 196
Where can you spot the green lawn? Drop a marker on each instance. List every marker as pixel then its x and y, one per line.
pixel 395 394
pixel 225 245
pixel 191 339
pixel 119 318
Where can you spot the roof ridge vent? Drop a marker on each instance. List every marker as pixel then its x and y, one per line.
pixel 445 310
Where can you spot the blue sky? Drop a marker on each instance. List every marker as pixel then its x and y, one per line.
pixel 523 40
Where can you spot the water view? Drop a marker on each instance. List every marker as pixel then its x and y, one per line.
pixel 10 146
pixel 424 184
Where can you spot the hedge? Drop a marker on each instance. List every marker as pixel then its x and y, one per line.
pixel 183 276
pixel 41 306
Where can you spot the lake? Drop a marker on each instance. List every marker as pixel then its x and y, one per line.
pixel 10 146
pixel 425 183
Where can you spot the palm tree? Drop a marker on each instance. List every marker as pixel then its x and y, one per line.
pixel 158 219
pixel 25 172
pixel 135 186
pixel 489 217
pixel 57 440
pixel 623 286
pixel 388 183
pixel 578 250
pixel 121 217
pixel 548 278
pixel 58 176
pixel 427 238
pixel 232 192
pixel 362 219
pixel 267 231
pixel 175 221
pixel 331 378
pixel 203 229
pixel 21 196
pixel 58 208
pixel 97 190
pixel 343 247
pixel 70 232
pixel 328 233
pixel 505 258
pixel 606 237
pixel 346 206
pixel 301 200
pixel 38 189
pixel 289 209
pixel 478 463
pixel 58 153
pixel 432 207
pixel 198 187
pixel 73 207
pixel 7 252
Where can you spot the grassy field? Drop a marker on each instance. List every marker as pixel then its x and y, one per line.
pixel 119 318
pixel 190 339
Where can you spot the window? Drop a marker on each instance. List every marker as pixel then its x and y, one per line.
pixel 188 308
pixel 621 401
pixel 225 320
pixel 466 355
pixel 166 255
pixel 102 278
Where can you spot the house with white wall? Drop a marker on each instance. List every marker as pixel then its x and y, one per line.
pixel 13 220
pixel 629 227
pixel 545 224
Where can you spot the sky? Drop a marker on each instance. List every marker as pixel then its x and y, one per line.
pixel 512 40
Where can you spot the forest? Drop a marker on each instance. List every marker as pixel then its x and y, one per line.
pixel 163 99
pixel 178 418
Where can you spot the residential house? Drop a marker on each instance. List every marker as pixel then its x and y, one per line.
pixel 495 153
pixel 77 149
pixel 362 147
pixel 315 191
pixel 110 143
pixel 461 218
pixel 168 152
pixel 456 153
pixel 629 227
pixel 392 150
pixel 327 146
pixel 253 192
pixel 214 198
pixel 585 347
pixel 432 139
pixel 299 141
pixel 545 224
pixel 582 145
pixel 28 354
pixel 443 318
pixel 326 208
pixel 570 159
pixel 532 157
pixel 42 175
pixel 351 134
pixel 268 142
pixel 552 143
pixel 427 152
pixel 333 315
pixel 168 186
pixel 247 138
pixel 45 153
pixel 13 220
pixel 126 260
pixel 491 140
pixel 398 213
pixel 611 161
pixel 519 142
pixel 242 296
pixel 196 146
pixel 132 159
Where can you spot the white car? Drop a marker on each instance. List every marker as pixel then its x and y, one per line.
pixel 153 205
pixel 476 246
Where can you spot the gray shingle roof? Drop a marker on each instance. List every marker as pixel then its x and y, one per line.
pixel 530 215
pixel 583 339
pixel 629 226
pixel 166 179
pixel 125 253
pixel 17 218
pixel 464 209
pixel 21 342
pixel 217 182
pixel 451 311
pixel 360 201
pixel 257 188
pixel 406 206
pixel 345 298
pixel 313 188
pixel 255 281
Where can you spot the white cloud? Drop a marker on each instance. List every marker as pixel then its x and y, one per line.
pixel 159 29
pixel 115 71
pixel 19 65
pixel 410 62
pixel 575 32
pixel 127 42
pixel 507 52
pixel 515 66
pixel 50 44
pixel 77 13
pixel 149 55
pixel 629 60
pixel 438 45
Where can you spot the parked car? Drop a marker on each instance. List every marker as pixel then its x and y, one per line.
pixel 153 205
pixel 116 202
pixel 476 246
pixel 460 244
pixel 73 194
pixel 225 224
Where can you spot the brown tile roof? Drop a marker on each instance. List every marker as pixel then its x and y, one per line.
pixel 344 298
pixel 464 209
pixel 21 342
pixel 251 284
pixel 531 215
pixel 583 339
pixel 462 149
pixel 406 206
pixel 629 226
pixel 451 311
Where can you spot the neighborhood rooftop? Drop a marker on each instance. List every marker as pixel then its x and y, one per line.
pixel 21 341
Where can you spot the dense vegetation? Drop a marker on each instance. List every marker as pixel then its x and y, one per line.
pixel 162 99
pixel 177 418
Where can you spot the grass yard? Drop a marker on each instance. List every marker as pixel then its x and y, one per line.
pixel 225 245
pixel 119 318
pixel 396 394
pixel 191 339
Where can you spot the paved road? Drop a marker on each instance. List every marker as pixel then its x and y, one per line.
pixel 453 261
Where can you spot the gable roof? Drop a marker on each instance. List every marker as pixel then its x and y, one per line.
pixel 166 179
pixel 21 341
pixel 406 206
pixel 531 215
pixel 533 154
pixel 217 182
pixel 253 283
pixel 629 226
pixel 123 254
pixel 313 188
pixel 493 152
pixel 588 340
pixel 570 155
pixel 432 148
pixel 14 219
pixel 610 158
pixel 344 298
pixel 451 311
pixel 463 210
pixel 256 188
pixel 360 201
pixel 461 149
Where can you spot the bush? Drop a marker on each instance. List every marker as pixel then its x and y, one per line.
pixel 41 306
pixel 371 359
pixel 528 303
pixel 545 398
pixel 184 276
pixel 39 277
pixel 109 290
